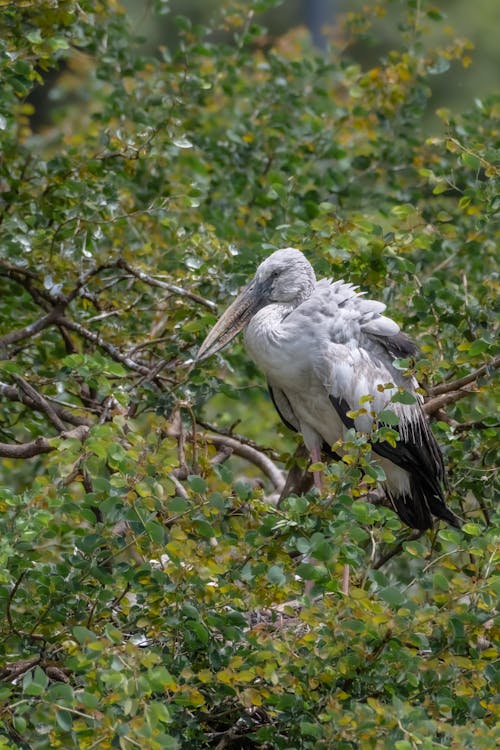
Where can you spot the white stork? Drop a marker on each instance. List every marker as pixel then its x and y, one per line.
pixel 322 347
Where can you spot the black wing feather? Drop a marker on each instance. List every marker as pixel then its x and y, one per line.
pixel 423 460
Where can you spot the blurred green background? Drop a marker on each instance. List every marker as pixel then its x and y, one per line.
pixel 477 21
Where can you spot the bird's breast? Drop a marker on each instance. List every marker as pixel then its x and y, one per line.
pixel 277 352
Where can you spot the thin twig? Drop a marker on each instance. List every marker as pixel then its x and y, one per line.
pixel 396 549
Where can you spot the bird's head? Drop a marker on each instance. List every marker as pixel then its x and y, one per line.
pixel 284 277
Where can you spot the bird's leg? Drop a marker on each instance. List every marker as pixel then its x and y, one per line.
pixel 318 482
pixel 316 459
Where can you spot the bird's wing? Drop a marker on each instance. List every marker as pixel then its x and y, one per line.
pixel 283 407
pixel 353 352
pixel 355 372
pixel 356 311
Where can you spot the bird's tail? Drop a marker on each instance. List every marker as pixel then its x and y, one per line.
pixel 424 500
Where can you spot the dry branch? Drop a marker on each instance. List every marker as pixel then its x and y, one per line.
pixel 445 399
pixel 451 391
pixel 40 444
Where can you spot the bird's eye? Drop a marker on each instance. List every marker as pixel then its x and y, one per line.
pixel 274 274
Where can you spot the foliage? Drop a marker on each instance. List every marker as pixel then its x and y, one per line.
pixel 141 568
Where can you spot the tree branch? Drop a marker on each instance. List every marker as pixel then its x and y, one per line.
pixel 173 288
pixel 31 329
pixel 240 438
pixel 449 392
pixel 39 401
pixel 26 450
pixel 456 385
pixel 96 338
pixel 15 394
pixel 25 278
pixel 445 399
pixel 255 457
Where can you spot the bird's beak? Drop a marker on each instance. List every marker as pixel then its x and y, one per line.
pixel 237 315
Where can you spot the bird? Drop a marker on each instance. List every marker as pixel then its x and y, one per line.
pixel 330 355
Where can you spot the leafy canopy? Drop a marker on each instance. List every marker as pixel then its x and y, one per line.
pixel 140 567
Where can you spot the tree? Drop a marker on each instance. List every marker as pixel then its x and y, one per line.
pixel 144 569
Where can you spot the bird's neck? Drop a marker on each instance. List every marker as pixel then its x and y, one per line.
pixel 264 332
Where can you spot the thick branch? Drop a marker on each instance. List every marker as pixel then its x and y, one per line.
pixel 250 454
pixel 445 399
pixel 40 444
pixel 26 450
pixel 173 288
pixel 456 385
pixel 31 329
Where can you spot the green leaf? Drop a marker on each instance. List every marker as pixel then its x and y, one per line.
pixel 472 529
pixel 440 582
pixel 205 529
pixel 156 531
pixel 404 397
pixel 178 505
pixel 58 43
pixel 392 596
pixel 83 635
pixel 197 484
pixel 64 720
pixel 376 472
pixel 34 36
pixel 275 575
pixel 323 550
pixel 387 416
pixel 478 347
pixel 470 160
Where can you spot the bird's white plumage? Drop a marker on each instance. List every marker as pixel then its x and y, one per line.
pixel 323 347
